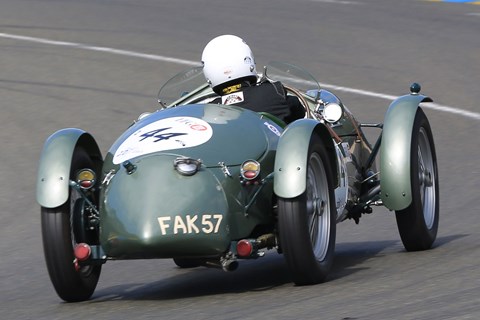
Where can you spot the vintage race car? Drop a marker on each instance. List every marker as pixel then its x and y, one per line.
pixel 210 185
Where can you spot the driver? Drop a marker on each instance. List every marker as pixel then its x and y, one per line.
pixel 229 67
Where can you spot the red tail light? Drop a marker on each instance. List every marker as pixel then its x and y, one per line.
pixel 244 248
pixel 82 251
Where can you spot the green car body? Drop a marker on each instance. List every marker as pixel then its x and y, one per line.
pixel 173 185
pixel 132 204
pixel 157 212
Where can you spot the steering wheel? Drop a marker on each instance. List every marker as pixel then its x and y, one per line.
pixel 302 99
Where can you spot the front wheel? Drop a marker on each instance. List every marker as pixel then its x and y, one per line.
pixel 307 223
pixel 59 233
pixel 418 223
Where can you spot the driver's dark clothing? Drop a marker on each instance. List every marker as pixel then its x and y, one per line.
pixel 267 96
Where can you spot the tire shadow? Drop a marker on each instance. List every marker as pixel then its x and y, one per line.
pixel 263 274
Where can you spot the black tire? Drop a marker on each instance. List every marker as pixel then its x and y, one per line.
pixel 307 228
pixel 418 223
pixel 58 241
pixel 186 263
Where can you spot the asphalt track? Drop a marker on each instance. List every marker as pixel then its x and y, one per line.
pixel 369 50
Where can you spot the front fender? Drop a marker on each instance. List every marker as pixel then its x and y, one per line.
pixel 292 157
pixel 55 161
pixel 395 151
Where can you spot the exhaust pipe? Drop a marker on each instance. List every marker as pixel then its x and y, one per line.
pixel 226 263
pixel 229 264
pixel 245 248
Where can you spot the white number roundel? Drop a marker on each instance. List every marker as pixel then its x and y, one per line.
pixel 165 134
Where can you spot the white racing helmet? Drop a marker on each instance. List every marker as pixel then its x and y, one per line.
pixel 227 58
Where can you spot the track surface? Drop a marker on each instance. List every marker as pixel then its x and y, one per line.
pixel 372 45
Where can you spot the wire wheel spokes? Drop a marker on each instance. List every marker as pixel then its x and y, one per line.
pixel 426 171
pixel 318 207
pixel 306 223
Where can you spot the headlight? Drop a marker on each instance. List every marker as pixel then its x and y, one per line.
pixel 187 166
pixel 332 112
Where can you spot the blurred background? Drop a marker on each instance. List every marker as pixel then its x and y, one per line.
pixel 98 64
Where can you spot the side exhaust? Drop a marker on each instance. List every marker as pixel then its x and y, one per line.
pixel 245 249
pixel 227 263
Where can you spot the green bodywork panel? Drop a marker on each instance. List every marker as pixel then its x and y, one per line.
pixel 156 205
pixel 292 156
pixel 395 151
pixel 155 212
pixel 55 161
pixel 237 133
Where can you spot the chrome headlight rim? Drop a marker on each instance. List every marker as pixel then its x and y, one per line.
pixel 332 112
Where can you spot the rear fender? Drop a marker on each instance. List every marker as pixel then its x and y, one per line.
pixel 395 151
pixel 55 161
pixel 292 155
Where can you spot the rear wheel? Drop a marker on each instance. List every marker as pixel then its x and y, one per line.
pixel 418 223
pixel 307 223
pixel 60 233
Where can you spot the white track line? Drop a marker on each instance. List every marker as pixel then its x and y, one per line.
pixel 434 106
pixel 101 49
pixel 429 105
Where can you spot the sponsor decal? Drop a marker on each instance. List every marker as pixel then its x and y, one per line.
pixel 164 134
pixel 190 224
pixel 233 98
pixel 272 128
pixel 231 89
